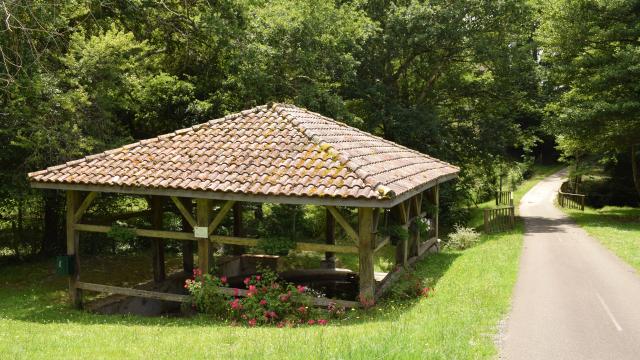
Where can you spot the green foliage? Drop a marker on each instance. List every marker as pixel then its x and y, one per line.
pixel 591 71
pixel 463 238
pixel 278 245
pixel 120 232
pixel 396 233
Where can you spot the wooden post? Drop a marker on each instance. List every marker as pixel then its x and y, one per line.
pixel 187 246
pixel 203 217
pixel 238 230
pixel 365 233
pixel 73 247
pixel 330 239
pixel 436 217
pixel 157 245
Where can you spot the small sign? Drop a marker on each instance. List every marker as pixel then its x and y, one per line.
pixel 201 232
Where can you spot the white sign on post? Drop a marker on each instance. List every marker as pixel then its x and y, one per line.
pixel 201 232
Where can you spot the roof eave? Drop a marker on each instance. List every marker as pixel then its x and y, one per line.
pixel 278 199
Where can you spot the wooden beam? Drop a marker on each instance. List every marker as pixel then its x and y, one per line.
pixel 186 213
pixel 161 234
pixel 157 244
pixel 365 233
pixel 329 239
pixel 134 292
pixel 381 243
pixel 73 247
pixel 187 246
pixel 404 214
pixel 343 223
pixel 77 216
pixel 220 216
pixel 203 217
pixel 302 246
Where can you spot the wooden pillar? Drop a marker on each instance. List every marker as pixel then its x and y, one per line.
pixel 238 230
pixel 203 217
pixel 73 248
pixel 330 239
pixel 157 245
pixel 436 197
pixel 399 217
pixel 366 243
pixel 187 246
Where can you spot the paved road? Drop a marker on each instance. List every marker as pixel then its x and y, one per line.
pixel 573 298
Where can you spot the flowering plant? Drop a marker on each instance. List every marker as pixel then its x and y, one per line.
pixel 267 301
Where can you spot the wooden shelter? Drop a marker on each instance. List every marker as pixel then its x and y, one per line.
pixel 274 153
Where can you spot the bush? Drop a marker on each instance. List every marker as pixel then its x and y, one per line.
pixel 409 286
pixel 463 238
pixel 268 301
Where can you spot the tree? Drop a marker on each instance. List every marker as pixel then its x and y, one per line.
pixel 592 71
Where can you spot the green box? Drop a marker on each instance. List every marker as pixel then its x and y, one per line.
pixel 65 265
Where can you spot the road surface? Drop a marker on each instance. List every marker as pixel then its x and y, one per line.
pixel 573 298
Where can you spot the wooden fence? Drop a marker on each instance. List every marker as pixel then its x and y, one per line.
pixel 499 219
pixel 571 201
pixel 504 198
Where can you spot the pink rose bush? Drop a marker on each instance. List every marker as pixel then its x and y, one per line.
pixel 268 301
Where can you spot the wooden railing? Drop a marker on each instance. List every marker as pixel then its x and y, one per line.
pixel 504 198
pixel 499 219
pixel 571 201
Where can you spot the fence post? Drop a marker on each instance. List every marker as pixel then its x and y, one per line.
pixel 486 221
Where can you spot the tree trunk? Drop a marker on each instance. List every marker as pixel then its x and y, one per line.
pixel 635 167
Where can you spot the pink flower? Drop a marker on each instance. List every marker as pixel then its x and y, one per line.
pixel 322 322
pixel 263 302
pixel 280 324
pixel 258 277
pixel 311 322
pixel 223 279
pixel 236 291
pixel 246 281
pixel 284 297
pixel 252 322
pixel 302 309
pixel 235 304
pixel 252 290
pixel 273 315
pixel 301 289
pixel 197 272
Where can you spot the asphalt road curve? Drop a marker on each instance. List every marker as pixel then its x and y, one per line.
pixel 573 298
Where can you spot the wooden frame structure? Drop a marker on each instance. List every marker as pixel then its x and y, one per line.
pixel 274 153
pixel 365 239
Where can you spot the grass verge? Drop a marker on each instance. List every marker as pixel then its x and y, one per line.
pixel 617 228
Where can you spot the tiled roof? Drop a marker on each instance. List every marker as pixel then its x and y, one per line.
pixel 271 150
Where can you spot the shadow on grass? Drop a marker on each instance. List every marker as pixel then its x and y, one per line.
pixel 618 218
pixel 43 299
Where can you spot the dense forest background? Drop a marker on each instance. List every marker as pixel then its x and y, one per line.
pixel 490 86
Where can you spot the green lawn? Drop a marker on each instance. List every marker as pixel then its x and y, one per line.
pixel 617 228
pixel 473 290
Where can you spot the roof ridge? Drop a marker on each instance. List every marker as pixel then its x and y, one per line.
pixel 377 186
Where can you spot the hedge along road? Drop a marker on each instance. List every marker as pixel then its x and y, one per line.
pixel 573 298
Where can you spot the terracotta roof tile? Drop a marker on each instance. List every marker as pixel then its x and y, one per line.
pixel 277 150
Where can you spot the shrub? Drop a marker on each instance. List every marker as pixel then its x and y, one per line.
pixel 463 238
pixel 409 286
pixel 268 301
